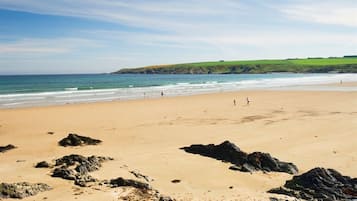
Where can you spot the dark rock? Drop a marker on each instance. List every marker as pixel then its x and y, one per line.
pixel 265 162
pixel 273 199
pixel 165 198
pixel 83 180
pixel 22 189
pixel 84 164
pixel 70 160
pixel 64 173
pixel 320 184
pixel 6 148
pixel 42 164
pixel 118 182
pixel 175 181
pixel 234 167
pixel 229 152
pixel 140 176
pixel 226 151
pixel 77 140
pixel 76 167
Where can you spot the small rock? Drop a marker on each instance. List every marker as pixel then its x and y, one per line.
pixel 140 176
pixel 50 132
pixel 77 140
pixel 6 148
pixel 129 182
pixel 231 187
pixel 42 164
pixel 175 181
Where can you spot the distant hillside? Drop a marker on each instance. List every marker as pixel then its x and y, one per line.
pixel 347 64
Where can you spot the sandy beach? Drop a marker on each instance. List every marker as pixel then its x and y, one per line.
pixel 309 128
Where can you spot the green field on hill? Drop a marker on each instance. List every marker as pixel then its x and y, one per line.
pixel 309 65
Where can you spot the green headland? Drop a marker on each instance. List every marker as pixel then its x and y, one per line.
pixel 346 64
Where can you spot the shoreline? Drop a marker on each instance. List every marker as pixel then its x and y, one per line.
pixel 334 87
pixel 309 128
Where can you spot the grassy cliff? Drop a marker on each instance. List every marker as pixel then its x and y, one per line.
pixel 310 65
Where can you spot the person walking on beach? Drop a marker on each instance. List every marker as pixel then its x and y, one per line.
pixel 162 93
pixel 248 101
pixel 234 102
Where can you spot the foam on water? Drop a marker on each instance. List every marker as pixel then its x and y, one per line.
pixel 73 95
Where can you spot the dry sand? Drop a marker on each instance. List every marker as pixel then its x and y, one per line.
pixel 309 129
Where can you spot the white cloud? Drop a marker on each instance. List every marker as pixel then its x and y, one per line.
pixel 44 46
pixel 184 15
pixel 325 12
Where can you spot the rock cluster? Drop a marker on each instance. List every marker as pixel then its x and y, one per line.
pixel 22 189
pixel 78 140
pixel 76 167
pixel 320 184
pixel 6 148
pixel 229 152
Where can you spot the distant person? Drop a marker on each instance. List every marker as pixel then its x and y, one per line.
pixel 248 101
pixel 162 93
pixel 234 102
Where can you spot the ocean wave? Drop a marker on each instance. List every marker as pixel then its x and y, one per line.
pixel 73 95
pixel 71 89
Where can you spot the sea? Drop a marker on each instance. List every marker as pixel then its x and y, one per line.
pixel 40 90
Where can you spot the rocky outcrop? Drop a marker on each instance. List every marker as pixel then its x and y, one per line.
pixel 6 148
pixel 76 167
pixel 229 152
pixel 78 140
pixel 22 189
pixel 320 184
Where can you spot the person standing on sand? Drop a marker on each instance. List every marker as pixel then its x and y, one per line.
pixel 162 93
pixel 234 102
pixel 248 101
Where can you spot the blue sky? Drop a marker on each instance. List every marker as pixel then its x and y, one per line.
pixel 91 36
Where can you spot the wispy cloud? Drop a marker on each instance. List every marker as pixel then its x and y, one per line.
pixel 44 46
pixel 342 12
pixel 163 15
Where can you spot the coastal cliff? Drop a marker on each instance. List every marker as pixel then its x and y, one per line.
pixel 309 65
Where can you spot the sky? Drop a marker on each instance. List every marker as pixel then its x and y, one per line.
pixel 100 36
